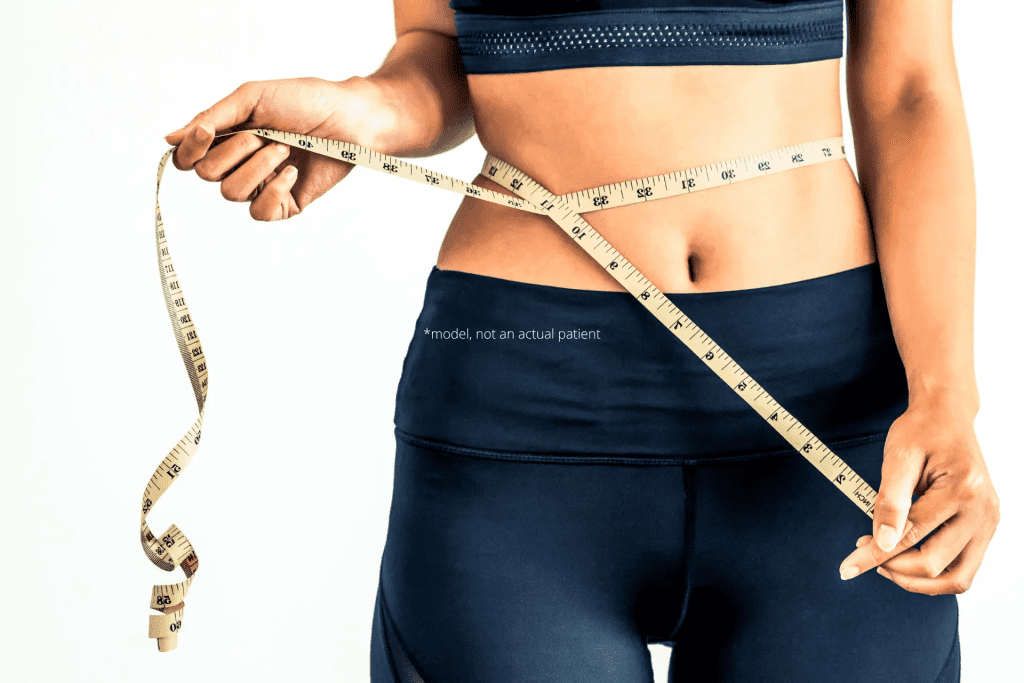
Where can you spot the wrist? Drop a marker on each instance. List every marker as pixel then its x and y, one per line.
pixel 370 115
pixel 400 124
pixel 960 398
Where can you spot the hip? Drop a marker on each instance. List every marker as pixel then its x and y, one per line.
pixel 510 370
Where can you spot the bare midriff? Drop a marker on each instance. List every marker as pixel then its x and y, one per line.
pixel 576 129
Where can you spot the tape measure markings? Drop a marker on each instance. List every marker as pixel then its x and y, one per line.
pixel 172 549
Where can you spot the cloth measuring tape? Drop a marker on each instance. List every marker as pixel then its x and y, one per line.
pixel 172 549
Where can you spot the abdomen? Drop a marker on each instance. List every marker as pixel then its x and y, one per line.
pixel 574 129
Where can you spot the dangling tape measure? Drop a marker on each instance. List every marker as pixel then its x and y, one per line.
pixel 172 549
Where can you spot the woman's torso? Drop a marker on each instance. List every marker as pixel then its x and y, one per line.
pixel 575 129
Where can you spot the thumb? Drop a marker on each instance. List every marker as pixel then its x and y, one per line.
pixel 901 471
pixel 232 110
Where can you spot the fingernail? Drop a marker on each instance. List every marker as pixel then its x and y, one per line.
pixel 862 540
pixel 174 132
pixel 887 537
pixel 202 132
pixel 884 573
pixel 848 573
pixel 281 147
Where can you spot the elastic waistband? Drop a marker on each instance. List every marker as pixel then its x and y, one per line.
pixel 507 369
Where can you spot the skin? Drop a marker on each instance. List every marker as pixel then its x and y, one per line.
pixel 913 210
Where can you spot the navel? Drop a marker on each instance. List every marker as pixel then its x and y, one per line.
pixel 693 265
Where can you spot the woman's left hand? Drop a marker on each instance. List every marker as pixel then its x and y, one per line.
pixel 930 451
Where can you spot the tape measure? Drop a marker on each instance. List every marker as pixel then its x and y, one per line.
pixel 172 549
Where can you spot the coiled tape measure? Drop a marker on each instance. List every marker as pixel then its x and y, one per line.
pixel 172 549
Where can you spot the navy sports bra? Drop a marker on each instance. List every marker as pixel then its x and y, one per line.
pixel 514 36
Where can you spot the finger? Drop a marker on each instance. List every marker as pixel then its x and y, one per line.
pixel 901 471
pixel 223 159
pixel 192 147
pixel 238 186
pixel 926 514
pixel 175 137
pixel 957 578
pixel 938 550
pixel 178 136
pixel 276 202
pixel 262 184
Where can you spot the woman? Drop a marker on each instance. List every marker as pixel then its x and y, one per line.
pixel 560 505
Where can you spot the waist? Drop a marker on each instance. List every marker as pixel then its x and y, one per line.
pixel 508 369
pixel 790 226
pixel 565 130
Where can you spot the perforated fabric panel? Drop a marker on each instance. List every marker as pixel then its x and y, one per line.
pixel 799 32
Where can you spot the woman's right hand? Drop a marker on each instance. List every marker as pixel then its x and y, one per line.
pixel 279 180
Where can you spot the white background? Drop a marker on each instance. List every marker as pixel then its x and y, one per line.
pixel 287 499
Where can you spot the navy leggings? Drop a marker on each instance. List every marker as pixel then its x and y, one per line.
pixel 559 504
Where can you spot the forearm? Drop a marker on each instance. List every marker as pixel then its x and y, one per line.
pixel 425 87
pixel 916 173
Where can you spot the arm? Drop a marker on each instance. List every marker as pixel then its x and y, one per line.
pixel 916 174
pixel 915 170
pixel 422 80
pixel 416 104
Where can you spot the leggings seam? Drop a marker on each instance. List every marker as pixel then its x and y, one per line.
pixel 386 617
pixel 689 530
pixel 952 648
pixel 522 456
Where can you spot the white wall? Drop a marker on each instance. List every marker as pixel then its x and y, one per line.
pixel 287 500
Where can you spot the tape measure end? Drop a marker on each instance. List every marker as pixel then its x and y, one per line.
pixel 167 643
